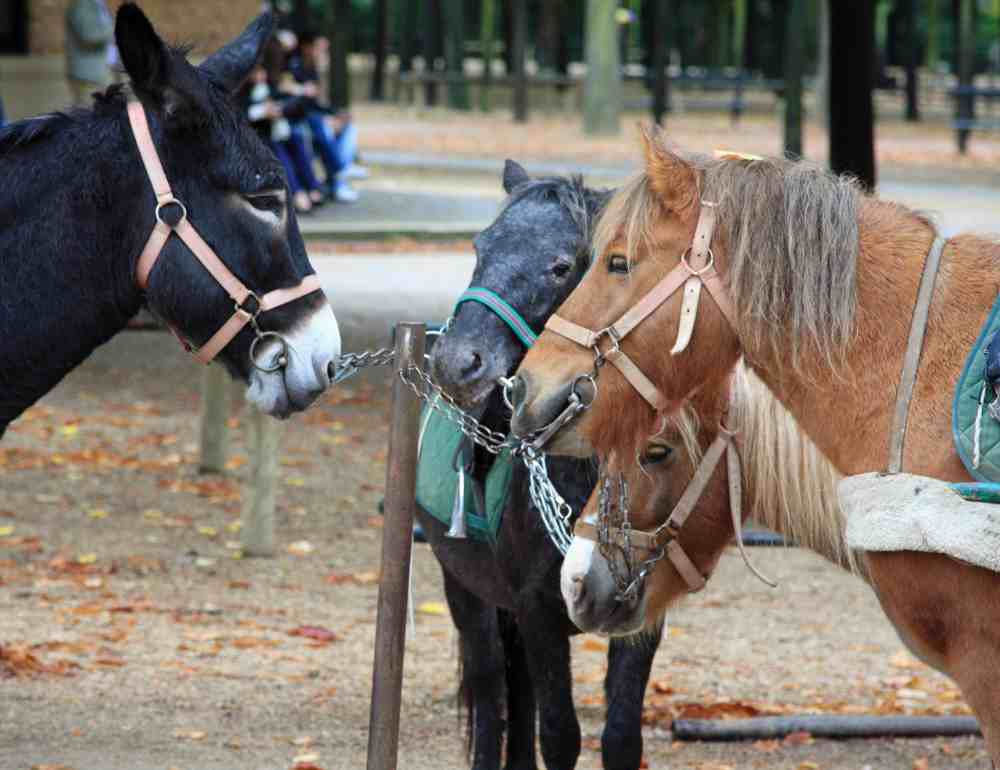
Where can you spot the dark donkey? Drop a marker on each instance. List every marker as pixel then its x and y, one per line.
pixel 77 208
pixel 504 598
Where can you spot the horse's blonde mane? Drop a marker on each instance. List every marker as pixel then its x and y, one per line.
pixel 792 486
pixel 791 237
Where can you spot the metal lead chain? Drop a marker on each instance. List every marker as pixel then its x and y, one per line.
pixel 350 364
pixel 556 513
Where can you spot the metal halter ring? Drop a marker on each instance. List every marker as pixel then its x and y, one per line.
pixel 279 363
pixel 701 271
pixel 584 403
pixel 506 385
pixel 171 202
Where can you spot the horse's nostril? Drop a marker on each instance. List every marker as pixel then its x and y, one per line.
pixel 578 588
pixel 474 365
pixel 331 370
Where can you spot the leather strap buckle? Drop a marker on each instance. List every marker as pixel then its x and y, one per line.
pixel 250 314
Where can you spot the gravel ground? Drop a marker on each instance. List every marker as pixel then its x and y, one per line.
pixel 155 648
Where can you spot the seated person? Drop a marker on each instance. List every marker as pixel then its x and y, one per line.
pixel 334 136
pixel 268 115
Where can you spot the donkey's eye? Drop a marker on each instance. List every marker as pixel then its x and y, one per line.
pixel 561 269
pixel 656 453
pixel 273 202
pixel 617 264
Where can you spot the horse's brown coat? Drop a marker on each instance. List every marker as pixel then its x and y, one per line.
pixel 946 611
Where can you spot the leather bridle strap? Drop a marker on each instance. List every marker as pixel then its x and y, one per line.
pixel 691 273
pixel 204 253
pixel 911 361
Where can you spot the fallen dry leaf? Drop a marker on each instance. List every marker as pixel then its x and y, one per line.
pixel 432 608
pixel 317 633
pixel 190 735
pixel 301 548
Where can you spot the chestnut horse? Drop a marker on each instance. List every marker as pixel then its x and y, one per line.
pixel 790 487
pixel 815 284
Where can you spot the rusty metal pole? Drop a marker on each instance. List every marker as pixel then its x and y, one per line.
pixel 397 542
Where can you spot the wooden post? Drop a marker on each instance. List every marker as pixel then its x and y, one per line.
pixel 602 93
pixel 215 385
pixel 794 61
pixel 823 65
pixel 965 104
pixel 519 45
pixel 660 81
pixel 397 542
pixel 257 532
pixel 487 33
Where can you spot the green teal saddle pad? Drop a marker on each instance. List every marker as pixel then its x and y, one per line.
pixel 966 408
pixel 437 478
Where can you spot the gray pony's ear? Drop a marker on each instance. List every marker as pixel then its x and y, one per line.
pixel 231 64
pixel 514 176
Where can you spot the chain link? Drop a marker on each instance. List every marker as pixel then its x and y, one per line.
pixel 556 513
pixel 614 516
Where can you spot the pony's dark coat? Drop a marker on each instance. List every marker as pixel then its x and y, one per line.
pixel 505 599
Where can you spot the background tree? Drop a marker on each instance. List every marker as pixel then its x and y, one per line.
pixel 852 74
pixel 381 52
pixel 454 53
pixel 794 66
pixel 339 33
pixel 602 89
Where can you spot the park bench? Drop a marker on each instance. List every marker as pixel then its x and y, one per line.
pixel 966 125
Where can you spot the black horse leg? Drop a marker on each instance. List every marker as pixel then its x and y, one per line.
pixel 629 664
pixel 483 667
pixel 521 710
pixel 546 645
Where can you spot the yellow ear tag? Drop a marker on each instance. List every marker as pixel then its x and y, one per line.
pixel 733 155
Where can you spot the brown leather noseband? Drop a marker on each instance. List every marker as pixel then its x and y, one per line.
pixel 247 304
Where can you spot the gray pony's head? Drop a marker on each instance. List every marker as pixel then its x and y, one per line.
pixel 533 255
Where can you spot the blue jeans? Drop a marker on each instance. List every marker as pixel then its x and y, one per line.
pixel 295 157
pixel 336 150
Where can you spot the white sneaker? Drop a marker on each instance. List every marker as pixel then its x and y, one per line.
pixel 354 171
pixel 345 194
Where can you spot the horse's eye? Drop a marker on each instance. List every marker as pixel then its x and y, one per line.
pixel 561 269
pixel 617 264
pixel 272 202
pixel 656 453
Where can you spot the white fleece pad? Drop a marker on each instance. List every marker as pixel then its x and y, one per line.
pixel 903 512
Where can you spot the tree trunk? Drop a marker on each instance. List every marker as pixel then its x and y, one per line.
pixel 852 70
pixel 519 44
pixel 659 43
pixel 381 10
pixel 794 63
pixel 454 54
pixel 933 48
pixel 602 91
pixel 912 60
pixel 966 55
pixel 340 44
pixel 433 48
pixel 487 35
pixel 823 65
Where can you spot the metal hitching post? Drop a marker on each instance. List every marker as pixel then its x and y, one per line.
pixel 397 541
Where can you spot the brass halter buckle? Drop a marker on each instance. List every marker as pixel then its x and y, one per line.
pixel 601 356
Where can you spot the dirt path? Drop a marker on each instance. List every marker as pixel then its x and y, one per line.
pixel 117 574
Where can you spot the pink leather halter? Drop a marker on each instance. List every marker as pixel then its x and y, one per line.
pixel 184 230
pixel 696 268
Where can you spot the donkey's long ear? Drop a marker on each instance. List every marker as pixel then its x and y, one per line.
pixel 164 78
pixel 144 55
pixel 672 179
pixel 231 64
pixel 514 176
